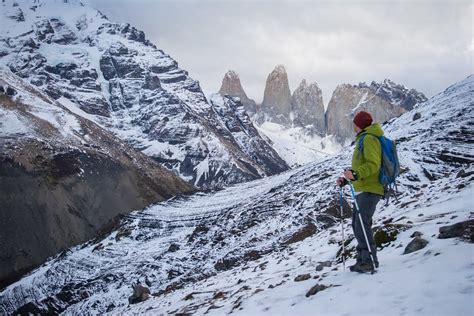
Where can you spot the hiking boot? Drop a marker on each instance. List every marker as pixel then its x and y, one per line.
pixel 362 267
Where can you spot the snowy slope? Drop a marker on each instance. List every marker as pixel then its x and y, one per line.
pixel 123 82
pixel 239 250
pixel 296 145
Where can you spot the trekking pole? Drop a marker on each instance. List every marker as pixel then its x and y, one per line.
pixel 342 230
pixel 362 224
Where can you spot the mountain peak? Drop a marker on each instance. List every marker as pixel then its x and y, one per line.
pixel 303 84
pixel 277 97
pixel 232 86
pixel 278 71
pixel 395 93
pixel 232 75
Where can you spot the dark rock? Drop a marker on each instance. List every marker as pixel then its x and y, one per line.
pixel 107 67
pixel 173 248
pixel 252 255
pixel 384 235
pixel 317 288
pixel 44 30
pixel 417 116
pixel 123 232
pixel 18 15
pixel 152 82
pixel 140 294
pixel 322 265
pixel 10 92
pixel 303 277
pixel 416 234
pixel 416 244
pixel 163 68
pixel 225 264
pixel 463 230
pixel 62 34
pixel 305 232
pixel 463 174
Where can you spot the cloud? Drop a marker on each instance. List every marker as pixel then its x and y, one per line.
pixel 426 45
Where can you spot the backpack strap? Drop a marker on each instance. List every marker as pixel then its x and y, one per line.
pixel 361 143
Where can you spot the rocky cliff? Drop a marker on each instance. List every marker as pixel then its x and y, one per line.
pixel 308 107
pixel 63 178
pixel 384 101
pixel 111 72
pixel 305 108
pixel 231 86
pixel 395 93
pixel 276 105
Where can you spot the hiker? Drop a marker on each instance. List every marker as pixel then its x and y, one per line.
pixel 364 175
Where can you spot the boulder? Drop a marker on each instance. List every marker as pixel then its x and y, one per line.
pixel 140 293
pixel 463 229
pixel 315 289
pixel 416 244
pixel 303 277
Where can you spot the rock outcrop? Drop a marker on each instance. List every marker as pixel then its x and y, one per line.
pixel 308 107
pixel 384 101
pixel 276 105
pixel 396 94
pixel 231 86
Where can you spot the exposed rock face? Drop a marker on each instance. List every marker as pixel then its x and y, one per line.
pixel 376 99
pixel 308 107
pixel 114 76
pixel 63 179
pixel 234 117
pixel 276 105
pixel 231 86
pixel 396 94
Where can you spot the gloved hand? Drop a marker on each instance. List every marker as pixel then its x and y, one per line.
pixel 350 174
pixel 341 181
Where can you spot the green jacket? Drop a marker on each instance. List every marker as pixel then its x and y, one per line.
pixel 367 164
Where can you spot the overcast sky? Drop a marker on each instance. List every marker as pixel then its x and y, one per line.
pixel 426 45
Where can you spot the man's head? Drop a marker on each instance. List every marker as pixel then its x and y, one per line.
pixel 362 120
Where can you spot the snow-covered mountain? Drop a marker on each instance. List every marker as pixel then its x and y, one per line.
pixel 266 246
pixel 130 87
pixel 63 178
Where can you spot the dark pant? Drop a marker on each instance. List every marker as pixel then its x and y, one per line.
pixel 367 203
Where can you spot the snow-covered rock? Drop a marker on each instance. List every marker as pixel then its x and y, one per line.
pixel 384 101
pixel 130 87
pixel 239 250
pixel 395 93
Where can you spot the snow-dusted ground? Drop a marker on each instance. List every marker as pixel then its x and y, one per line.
pixel 296 146
pixel 237 250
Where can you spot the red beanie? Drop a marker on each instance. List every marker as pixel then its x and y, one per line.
pixel 362 119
